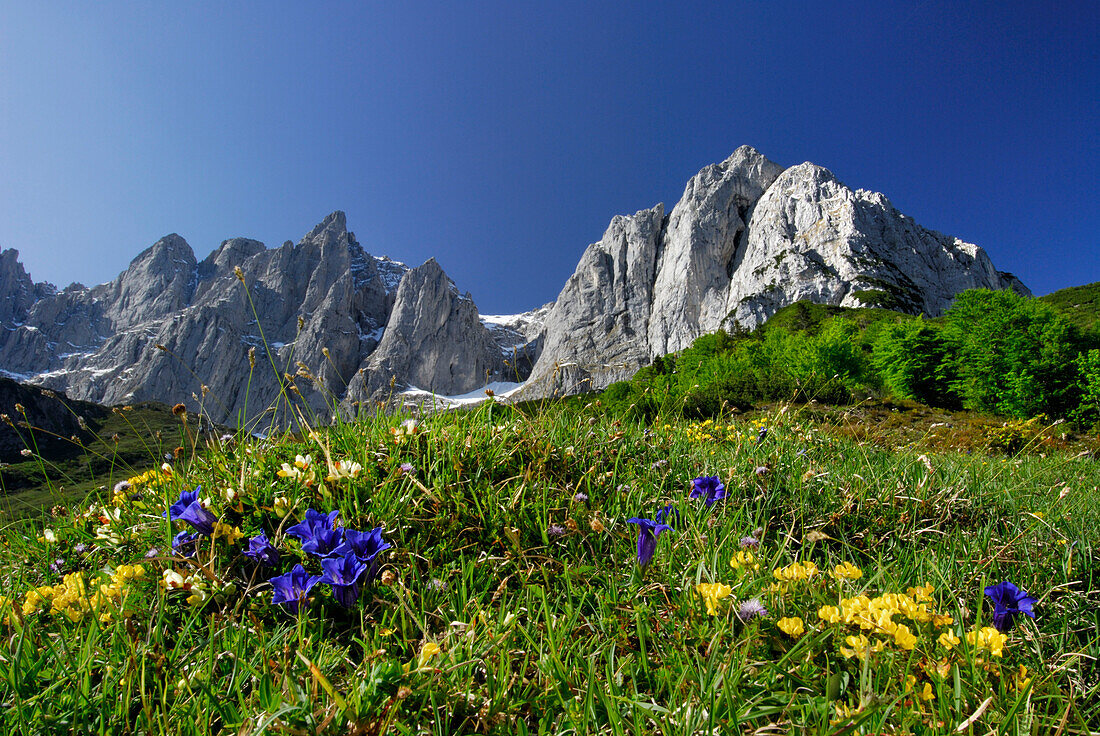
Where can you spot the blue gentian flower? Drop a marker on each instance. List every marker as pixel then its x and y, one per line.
pixel 709 488
pixel 648 531
pixel 365 545
pixel 292 588
pixel 198 517
pixel 1008 600
pixel 260 550
pixel 343 574
pixel 669 513
pixel 186 499
pixel 185 543
pixel 317 533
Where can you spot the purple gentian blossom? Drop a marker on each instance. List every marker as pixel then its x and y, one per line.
pixel 669 513
pixel 709 488
pixel 1008 600
pixel 317 533
pixel 648 531
pixel 186 543
pixel 261 550
pixel 292 588
pixel 364 545
pixel 186 499
pixel 343 574
pixel 199 517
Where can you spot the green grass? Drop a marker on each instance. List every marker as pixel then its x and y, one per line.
pixel 1080 304
pixel 543 621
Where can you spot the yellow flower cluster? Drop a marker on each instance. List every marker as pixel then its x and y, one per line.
pixel 301 469
pixel 231 533
pixel 71 596
pixel 711 593
pixel 875 615
pixel 343 469
pixel 153 477
pixel 987 638
pixel 796 571
pixel 744 560
pixel 846 571
pixel 793 626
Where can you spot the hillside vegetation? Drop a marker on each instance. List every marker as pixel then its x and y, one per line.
pixel 993 352
pixel 642 561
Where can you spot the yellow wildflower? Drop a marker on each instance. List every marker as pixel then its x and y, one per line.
pixel 846 571
pixel 857 647
pixel 35 597
pixel 948 640
pixel 231 533
pixel 1020 679
pixel 939 620
pixel 711 593
pixel 796 571
pixel 904 638
pixel 926 694
pixel 922 593
pixel 792 626
pixel 987 638
pixel 829 613
pixel 744 560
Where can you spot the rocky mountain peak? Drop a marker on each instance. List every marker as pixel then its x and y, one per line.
pixel 329 231
pixel 746 238
pixel 17 292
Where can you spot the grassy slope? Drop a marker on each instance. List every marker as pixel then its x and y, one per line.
pixel 126 442
pixel 543 621
pixel 1081 304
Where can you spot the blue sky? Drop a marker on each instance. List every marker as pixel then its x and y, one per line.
pixel 501 137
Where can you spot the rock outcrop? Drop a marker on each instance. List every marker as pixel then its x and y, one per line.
pixel 434 341
pixel 746 239
pixel 248 333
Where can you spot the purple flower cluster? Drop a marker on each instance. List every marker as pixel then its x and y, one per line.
pixel 709 488
pixel 348 556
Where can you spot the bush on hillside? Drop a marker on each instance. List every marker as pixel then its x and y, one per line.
pixel 912 359
pixel 1012 355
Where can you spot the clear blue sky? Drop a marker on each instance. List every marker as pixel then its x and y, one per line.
pixel 501 139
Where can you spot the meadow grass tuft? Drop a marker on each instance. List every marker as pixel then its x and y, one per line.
pixel 836 588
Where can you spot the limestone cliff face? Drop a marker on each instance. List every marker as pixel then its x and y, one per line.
pixel 746 239
pixel 597 329
pixel 434 340
pixel 173 329
pixel 700 246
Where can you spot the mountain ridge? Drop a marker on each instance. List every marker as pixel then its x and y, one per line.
pixel 341 329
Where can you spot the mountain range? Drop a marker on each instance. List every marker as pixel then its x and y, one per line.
pixel 324 326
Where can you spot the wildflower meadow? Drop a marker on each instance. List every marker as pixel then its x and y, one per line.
pixel 557 569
